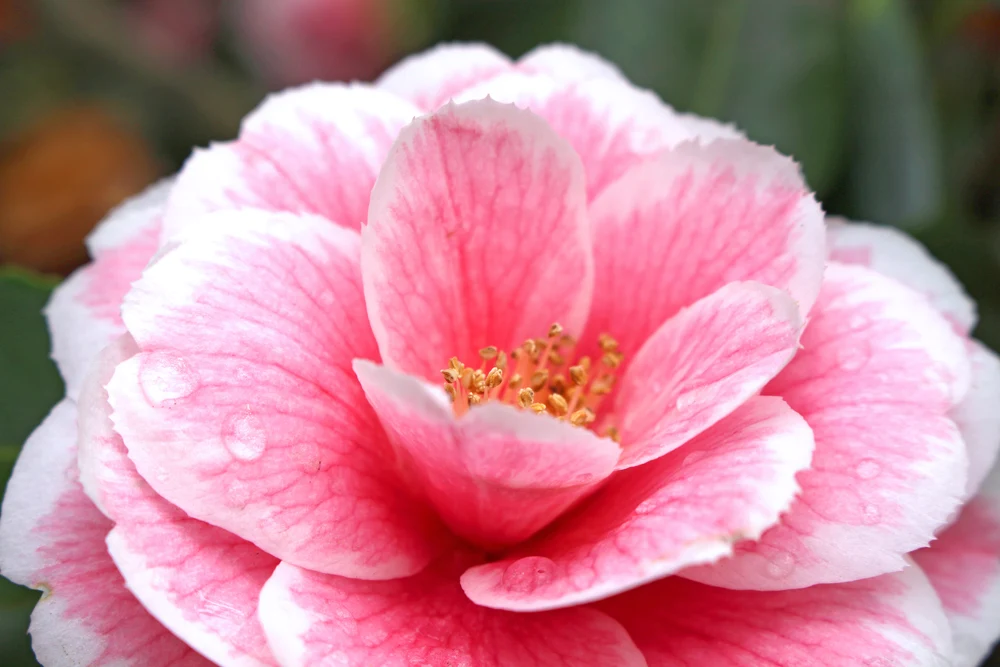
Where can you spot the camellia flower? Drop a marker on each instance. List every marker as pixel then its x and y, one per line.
pixel 499 363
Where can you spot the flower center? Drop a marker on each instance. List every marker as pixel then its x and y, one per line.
pixel 543 375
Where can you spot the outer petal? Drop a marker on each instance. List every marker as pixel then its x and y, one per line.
pixel 198 580
pixel 315 149
pixel 84 311
pixel 313 619
pixel 431 78
pixel 701 365
pixel 897 255
pixel 686 508
pixel 477 235
pixel 879 370
pixel 609 122
pixel 684 224
pixel 894 620
pixel 963 564
pixel 977 415
pixel 565 62
pixel 52 539
pixel 242 408
pixel 497 474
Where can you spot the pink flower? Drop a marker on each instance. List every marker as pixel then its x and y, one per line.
pixel 298 446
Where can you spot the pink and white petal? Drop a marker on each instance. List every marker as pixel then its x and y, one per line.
pixel 314 619
pixel 84 313
pixel 701 365
pixel 477 235
pixel 431 78
pixel 894 620
pixel 497 474
pixel 897 255
pixel 685 223
pixel 52 539
pixel 200 581
pixel 963 564
pixel 977 416
pixel 567 63
pixel 876 377
pixel 242 408
pixel 315 149
pixel 686 508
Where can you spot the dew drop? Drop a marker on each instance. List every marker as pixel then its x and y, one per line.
pixel 871 514
pixel 165 377
pixel 244 435
pixel 780 566
pixel 853 358
pixel 528 574
pixel 868 469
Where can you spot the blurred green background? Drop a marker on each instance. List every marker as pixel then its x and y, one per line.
pixel 891 106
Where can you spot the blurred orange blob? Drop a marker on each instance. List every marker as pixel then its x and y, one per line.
pixel 58 178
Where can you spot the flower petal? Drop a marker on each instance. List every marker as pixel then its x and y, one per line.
pixel 894 620
pixel 701 365
pixel 242 408
pixel 84 311
pixel 897 255
pixel 198 580
pixel 566 62
pixel 497 474
pixel 477 235
pixel 682 225
pixel 432 77
pixel 879 370
pixel 52 539
pixel 313 619
pixel 315 149
pixel 977 416
pixel 685 508
pixel 612 125
pixel 963 564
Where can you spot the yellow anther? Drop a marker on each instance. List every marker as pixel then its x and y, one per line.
pixel 530 347
pixel 607 343
pixel 488 352
pixel 612 433
pixel 456 364
pixel 494 378
pixel 602 385
pixel 584 363
pixel 515 381
pixel 578 374
pixel 450 375
pixel 538 408
pixel 466 378
pixel 567 341
pixel 555 330
pixel 474 399
pixel 451 391
pixel 539 378
pixel 555 358
pixel 525 397
pixel 612 359
pixel 558 384
pixel 558 404
pixel 582 417
pixel 501 362
pixel 478 381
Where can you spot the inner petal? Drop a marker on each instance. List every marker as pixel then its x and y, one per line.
pixel 545 375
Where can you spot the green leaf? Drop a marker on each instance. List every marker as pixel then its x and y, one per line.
pixel 896 168
pixel 29 382
pixel 16 604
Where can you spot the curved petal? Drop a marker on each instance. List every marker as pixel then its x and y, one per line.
pixel 198 580
pixel 496 475
pixel 84 311
pixel 432 77
pixel 52 539
pixel 686 508
pixel 894 620
pixel 878 372
pixel 242 408
pixel 897 255
pixel 566 62
pixel 315 149
pixel 313 619
pixel 963 564
pixel 701 365
pixel 611 124
pixel 477 235
pixel 977 416
pixel 682 225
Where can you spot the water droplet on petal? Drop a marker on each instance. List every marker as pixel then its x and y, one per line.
pixel 853 357
pixel 165 377
pixel 781 565
pixel 244 435
pixel 871 514
pixel 868 469
pixel 528 574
